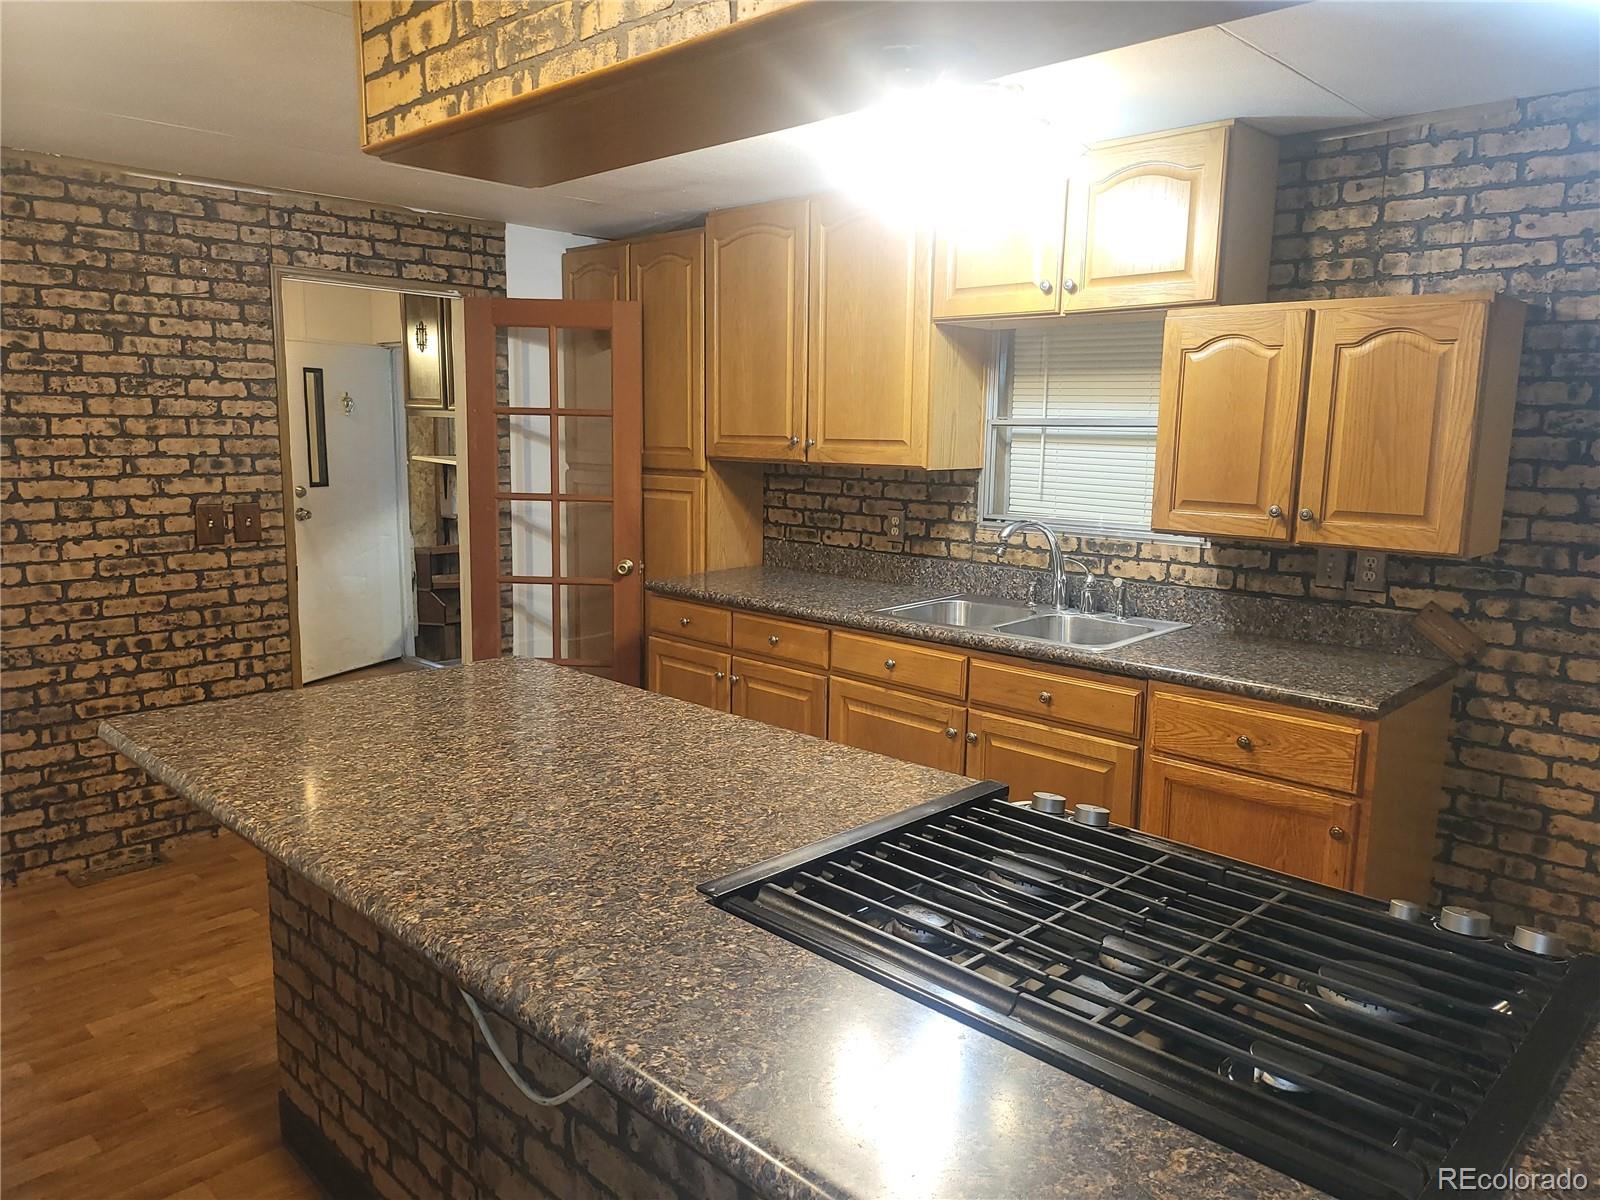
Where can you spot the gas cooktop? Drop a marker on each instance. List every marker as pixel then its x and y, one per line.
pixel 1357 1048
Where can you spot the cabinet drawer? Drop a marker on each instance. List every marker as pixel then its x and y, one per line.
pixel 1322 752
pixel 786 641
pixel 1073 699
pixel 901 664
pixel 911 728
pixel 682 619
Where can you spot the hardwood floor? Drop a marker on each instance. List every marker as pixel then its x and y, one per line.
pixel 139 1058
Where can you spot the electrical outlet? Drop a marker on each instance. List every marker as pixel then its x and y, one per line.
pixel 1333 567
pixel 210 525
pixel 1371 571
pixel 894 527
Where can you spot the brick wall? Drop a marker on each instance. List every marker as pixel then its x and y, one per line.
pixel 139 378
pixel 424 62
pixel 1508 200
pixel 379 1055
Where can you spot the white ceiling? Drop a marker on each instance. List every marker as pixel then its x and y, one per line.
pixel 264 94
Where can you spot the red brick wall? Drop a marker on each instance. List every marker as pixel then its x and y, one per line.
pixel 1507 201
pixel 139 377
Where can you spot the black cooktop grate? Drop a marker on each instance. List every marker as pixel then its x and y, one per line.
pixel 1300 1025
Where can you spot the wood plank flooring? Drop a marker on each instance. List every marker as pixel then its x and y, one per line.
pixel 137 1053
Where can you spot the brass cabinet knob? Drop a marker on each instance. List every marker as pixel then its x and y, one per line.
pixel 1336 832
pixel 951 732
pixel 972 739
pixel 625 567
pixel 1245 743
pixel 1275 511
pixel 733 678
pixel 684 621
pixel 1069 286
pixel 772 639
pixel 1044 697
pixel 721 675
pixel 794 440
pixel 1307 515
pixel 810 442
pixel 888 664
pixel 1046 286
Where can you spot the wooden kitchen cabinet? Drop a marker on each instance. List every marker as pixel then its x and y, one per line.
pixel 919 729
pixel 697 674
pixel 674 525
pixel 1290 829
pixel 598 272
pixel 666 275
pixel 757 266
pixel 1006 266
pixel 1228 435
pixel 1032 757
pixel 783 696
pixel 1378 423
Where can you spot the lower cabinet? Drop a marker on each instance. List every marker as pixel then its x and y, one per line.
pixel 1275 825
pixel 918 729
pixel 1030 757
pixel 687 672
pixel 782 696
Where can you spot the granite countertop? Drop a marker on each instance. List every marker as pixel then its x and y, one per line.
pixel 1335 679
pixel 538 835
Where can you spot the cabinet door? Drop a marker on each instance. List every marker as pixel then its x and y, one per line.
pixel 667 276
pixel 1144 222
pixel 598 272
pixel 674 525
pixel 868 378
pixel 1272 825
pixel 688 672
pixel 1007 266
pixel 1030 757
pixel 1229 430
pixel 757 264
pixel 914 728
pixel 1391 409
pixel 781 696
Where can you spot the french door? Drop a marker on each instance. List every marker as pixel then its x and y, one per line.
pixel 554 443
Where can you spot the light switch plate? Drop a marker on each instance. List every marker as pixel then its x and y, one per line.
pixel 1333 567
pixel 1371 573
pixel 247 521
pixel 210 525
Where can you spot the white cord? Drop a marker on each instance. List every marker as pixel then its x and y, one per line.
pixel 511 1071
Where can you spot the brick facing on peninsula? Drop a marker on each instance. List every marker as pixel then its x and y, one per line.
pixel 1506 200
pixel 139 379
pixel 378 1051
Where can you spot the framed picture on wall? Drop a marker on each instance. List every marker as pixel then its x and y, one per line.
pixel 427 343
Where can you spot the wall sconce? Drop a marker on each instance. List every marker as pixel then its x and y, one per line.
pixel 422 336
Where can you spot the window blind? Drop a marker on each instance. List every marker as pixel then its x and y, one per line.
pixel 1073 434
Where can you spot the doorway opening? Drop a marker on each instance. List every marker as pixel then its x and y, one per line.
pixel 369 409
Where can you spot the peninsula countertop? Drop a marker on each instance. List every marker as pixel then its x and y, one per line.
pixel 538 835
pixel 1336 679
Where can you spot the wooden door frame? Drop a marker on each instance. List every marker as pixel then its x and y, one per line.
pixel 483 315
pixel 379 283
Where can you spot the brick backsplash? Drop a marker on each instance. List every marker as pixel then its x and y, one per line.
pixel 139 377
pixel 381 1063
pixel 1505 199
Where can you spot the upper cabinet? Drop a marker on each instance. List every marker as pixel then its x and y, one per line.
pixel 1380 424
pixel 821 346
pixel 758 262
pixel 666 274
pixel 598 272
pixel 1175 218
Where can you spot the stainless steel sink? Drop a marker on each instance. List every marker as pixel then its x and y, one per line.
pixel 963 612
pixel 1064 627
pixel 1087 631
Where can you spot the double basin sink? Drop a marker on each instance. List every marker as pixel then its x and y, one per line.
pixel 1062 627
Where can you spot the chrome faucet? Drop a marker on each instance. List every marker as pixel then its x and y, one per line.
pixel 1057 574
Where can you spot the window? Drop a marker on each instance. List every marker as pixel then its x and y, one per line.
pixel 1072 430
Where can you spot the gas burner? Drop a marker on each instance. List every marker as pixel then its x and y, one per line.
pixel 932 933
pixel 1121 955
pixel 1274 1075
pixel 1372 977
pixel 1029 873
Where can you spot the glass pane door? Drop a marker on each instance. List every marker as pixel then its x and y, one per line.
pixel 554 404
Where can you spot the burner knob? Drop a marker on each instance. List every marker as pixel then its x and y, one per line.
pixel 1049 802
pixel 1092 815
pixel 1468 922
pixel 1537 941
pixel 1406 910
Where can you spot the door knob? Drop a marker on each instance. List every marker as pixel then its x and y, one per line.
pixel 625 567
pixel 1307 515
pixel 1046 286
pixel 299 491
pixel 1275 511
pixel 302 514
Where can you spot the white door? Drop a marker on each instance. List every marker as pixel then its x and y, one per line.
pixel 347 533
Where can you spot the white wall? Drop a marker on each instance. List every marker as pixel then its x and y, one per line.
pixel 533 261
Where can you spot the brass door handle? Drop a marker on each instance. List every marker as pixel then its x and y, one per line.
pixel 625 567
